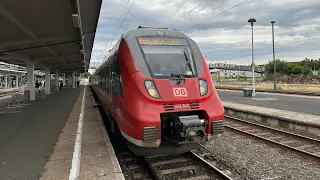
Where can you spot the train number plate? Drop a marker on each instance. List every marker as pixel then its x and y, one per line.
pixel 180 92
pixel 180 106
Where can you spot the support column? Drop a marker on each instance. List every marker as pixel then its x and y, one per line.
pixel 47 81
pixel 57 80
pixel 30 80
pixel 74 79
pixel 69 77
pixel 5 81
pixel 17 81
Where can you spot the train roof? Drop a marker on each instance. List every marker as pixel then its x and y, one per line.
pixel 144 31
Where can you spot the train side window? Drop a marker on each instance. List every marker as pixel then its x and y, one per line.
pixel 109 78
pixel 112 76
pixel 118 83
pixel 106 74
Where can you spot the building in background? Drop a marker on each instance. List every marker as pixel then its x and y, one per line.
pixel 218 74
pixel 221 71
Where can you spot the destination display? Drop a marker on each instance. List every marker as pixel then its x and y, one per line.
pixel 162 41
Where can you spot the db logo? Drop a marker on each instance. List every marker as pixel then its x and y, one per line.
pixel 180 92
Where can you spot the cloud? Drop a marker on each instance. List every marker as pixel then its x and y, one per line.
pixel 226 36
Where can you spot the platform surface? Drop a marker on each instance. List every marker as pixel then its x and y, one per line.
pixel 27 137
pixel 295 103
pixel 297 117
pixel 97 158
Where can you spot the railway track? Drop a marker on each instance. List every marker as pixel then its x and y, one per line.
pixel 133 167
pixel 187 166
pixel 302 144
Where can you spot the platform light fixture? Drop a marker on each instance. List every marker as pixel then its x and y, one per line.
pixel 251 21
pixel 274 59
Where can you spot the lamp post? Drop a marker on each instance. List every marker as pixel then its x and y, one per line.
pixel 274 59
pixel 251 21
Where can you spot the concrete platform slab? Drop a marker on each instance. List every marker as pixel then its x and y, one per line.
pixel 295 103
pixel 275 117
pixel 94 149
pixel 96 168
pixel 97 158
pixel 62 152
pixel 55 170
pixel 27 138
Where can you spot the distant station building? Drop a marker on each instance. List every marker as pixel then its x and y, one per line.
pixel 92 67
pixel 223 74
pixel 232 71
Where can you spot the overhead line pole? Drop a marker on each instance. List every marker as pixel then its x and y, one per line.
pixel 274 60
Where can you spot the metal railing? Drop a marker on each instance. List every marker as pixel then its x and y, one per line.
pixel 11 101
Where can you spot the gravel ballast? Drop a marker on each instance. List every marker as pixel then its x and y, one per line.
pixel 254 159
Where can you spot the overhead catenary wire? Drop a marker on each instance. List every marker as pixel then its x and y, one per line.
pixel 115 26
pixel 186 14
pixel 281 49
pixel 217 15
pixel 123 20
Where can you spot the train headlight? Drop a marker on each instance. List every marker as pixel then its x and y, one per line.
pixel 203 85
pixel 151 88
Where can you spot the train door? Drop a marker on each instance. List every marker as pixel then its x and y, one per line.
pixel 118 100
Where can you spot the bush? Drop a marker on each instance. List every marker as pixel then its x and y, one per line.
pixel 296 69
pixel 306 70
pixel 303 67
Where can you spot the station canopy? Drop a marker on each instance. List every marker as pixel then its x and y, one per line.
pixel 58 34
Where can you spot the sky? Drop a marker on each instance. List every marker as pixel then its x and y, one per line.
pixel 220 27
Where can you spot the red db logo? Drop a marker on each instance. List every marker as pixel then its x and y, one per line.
pixel 180 92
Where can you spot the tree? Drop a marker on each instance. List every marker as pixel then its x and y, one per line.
pixel 282 67
pixel 296 69
pixel 317 64
pixel 306 70
pixel 303 67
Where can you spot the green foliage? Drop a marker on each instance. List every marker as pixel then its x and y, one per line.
pixel 296 69
pixel 306 70
pixel 283 67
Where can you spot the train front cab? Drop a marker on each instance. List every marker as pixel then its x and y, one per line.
pixel 166 113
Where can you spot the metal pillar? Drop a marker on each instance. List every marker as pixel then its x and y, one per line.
pixel 253 83
pixel 47 81
pixel 70 80
pixel 57 80
pixel 251 21
pixel 17 81
pixel 5 81
pixel 74 79
pixel 30 80
pixel 274 60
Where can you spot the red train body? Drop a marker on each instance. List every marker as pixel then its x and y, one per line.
pixel 156 86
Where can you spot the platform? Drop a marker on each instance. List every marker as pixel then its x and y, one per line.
pixel 26 137
pixel 92 156
pixel 38 140
pixel 275 117
pixel 295 103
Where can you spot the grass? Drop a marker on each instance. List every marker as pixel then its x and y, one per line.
pixel 293 87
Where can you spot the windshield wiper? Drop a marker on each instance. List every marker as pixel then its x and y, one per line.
pixel 188 64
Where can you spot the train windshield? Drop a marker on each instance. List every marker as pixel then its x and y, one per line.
pixel 168 59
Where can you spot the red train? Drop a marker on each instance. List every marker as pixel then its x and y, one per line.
pixel 157 89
